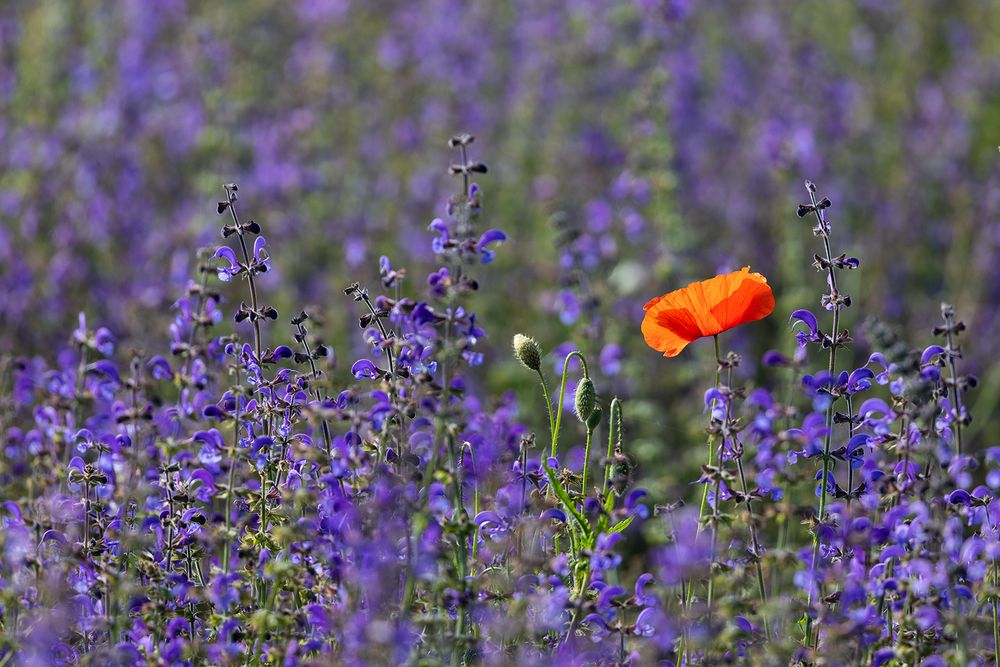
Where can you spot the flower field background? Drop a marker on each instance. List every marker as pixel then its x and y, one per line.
pixel 208 461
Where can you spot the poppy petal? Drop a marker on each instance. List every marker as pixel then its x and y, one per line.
pixel 750 302
pixel 705 308
pixel 669 330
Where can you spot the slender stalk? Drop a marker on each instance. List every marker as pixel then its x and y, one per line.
pixel 996 618
pixel 461 558
pixel 850 436
pixel 562 395
pixel 718 484
pixel 327 440
pixel 198 317
pixel 755 543
pixel 231 197
pixel 711 435
pixel 170 526
pixel 831 366
pixel 586 461
pixel 86 518
pixel 467 447
pixel 686 594
pixel 548 406
pixel 382 330
pixel 956 394
pixel 614 410
pixel 81 373
pixel 227 551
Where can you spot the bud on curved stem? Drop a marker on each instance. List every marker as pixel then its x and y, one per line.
pixel 585 400
pixel 528 352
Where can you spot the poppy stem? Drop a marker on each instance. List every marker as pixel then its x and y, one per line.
pixel 614 439
pixel 711 460
pixel 711 436
pixel 718 477
pixel 562 395
pixel 548 405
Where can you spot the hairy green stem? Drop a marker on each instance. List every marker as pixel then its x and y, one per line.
pixel 562 395
pixel 711 436
pixel 586 461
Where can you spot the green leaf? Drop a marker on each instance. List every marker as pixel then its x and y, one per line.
pixel 622 525
pixel 566 501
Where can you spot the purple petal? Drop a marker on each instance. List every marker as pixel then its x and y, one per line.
pixel 258 246
pixel 492 236
pixel 364 368
pixel 774 358
pixel 807 318
pixel 225 252
pixel 930 353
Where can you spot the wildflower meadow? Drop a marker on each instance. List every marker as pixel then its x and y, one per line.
pixel 598 332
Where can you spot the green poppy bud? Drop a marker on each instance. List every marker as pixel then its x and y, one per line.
pixel 528 352
pixel 595 418
pixel 586 399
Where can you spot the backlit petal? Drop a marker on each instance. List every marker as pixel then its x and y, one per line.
pixel 705 308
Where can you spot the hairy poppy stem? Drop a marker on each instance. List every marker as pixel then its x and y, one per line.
pixel 686 600
pixel 718 483
pixel 548 405
pixel 614 420
pixel 586 461
pixel 562 395
pixel 711 436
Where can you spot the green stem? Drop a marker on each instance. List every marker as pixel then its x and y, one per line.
pixel 562 395
pixel 461 554
pixel 718 483
pixel 711 436
pixel 586 461
pixel 834 344
pixel 475 494
pixel 850 436
pixel 755 543
pixel 686 598
pixel 228 547
pixel 548 406
pixel 955 391
pixel 614 419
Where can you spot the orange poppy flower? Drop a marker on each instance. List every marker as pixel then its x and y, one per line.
pixel 705 308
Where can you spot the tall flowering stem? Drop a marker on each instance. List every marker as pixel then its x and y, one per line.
pixel 252 263
pixel 239 229
pixel 834 301
pixel 952 328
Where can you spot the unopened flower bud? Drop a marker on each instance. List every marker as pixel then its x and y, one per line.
pixel 528 352
pixel 595 418
pixel 586 399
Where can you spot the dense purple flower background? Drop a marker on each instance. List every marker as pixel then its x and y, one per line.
pixel 182 488
pixel 656 125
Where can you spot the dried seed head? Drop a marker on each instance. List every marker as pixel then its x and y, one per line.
pixel 528 352
pixel 586 399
